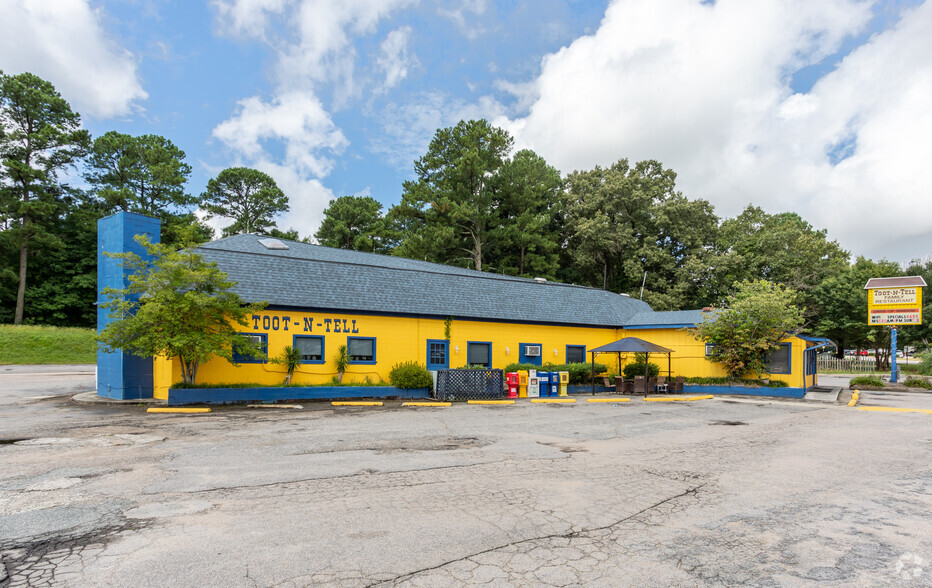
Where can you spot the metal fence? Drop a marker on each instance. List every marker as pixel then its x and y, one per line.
pixel 477 384
pixel 827 362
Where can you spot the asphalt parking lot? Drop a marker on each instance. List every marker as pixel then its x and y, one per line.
pixel 705 493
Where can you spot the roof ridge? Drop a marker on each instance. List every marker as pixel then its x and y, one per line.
pixel 475 273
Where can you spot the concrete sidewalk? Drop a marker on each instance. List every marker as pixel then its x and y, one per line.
pixel 50 369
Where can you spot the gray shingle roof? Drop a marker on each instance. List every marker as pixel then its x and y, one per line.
pixel 323 278
pixel 670 317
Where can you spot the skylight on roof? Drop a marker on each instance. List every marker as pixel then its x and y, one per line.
pixel 272 244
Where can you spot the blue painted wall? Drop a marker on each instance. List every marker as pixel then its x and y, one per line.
pixel 121 375
pixel 181 396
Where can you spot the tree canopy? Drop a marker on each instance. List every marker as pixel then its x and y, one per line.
pixel 448 212
pixel 249 197
pixel 355 222
pixel 176 305
pixel 40 135
pixel 755 319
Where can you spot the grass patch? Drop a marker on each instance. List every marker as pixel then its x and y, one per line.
pixel 912 382
pixel 31 345
pixel 866 382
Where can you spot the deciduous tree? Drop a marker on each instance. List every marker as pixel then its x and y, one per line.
pixel 755 319
pixel 176 305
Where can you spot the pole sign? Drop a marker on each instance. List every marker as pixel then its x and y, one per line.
pixel 894 301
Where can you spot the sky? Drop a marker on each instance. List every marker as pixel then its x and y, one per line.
pixel 821 108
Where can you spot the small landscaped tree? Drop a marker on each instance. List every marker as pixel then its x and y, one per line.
pixel 176 305
pixel 755 319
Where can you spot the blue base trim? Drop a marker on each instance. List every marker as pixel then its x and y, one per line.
pixel 693 389
pixel 179 396
pixel 586 389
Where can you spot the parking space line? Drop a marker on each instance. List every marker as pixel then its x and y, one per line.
pixel 894 409
pixel 356 403
pixel 179 410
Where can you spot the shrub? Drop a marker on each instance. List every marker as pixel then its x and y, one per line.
pixel 409 374
pixel 866 381
pixel 925 366
pixel 637 369
pixel 912 382
pixel 579 372
pixel 732 381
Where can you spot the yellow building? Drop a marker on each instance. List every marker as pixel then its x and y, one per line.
pixel 387 310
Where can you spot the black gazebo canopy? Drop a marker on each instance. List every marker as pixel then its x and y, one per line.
pixel 631 345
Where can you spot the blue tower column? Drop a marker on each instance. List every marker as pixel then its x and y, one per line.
pixel 121 375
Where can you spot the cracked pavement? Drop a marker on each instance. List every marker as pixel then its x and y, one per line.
pixel 524 495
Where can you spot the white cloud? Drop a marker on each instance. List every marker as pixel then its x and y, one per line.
pixel 63 42
pixel 295 119
pixel 394 60
pixel 458 15
pixel 292 136
pixel 407 128
pixel 247 18
pixel 705 88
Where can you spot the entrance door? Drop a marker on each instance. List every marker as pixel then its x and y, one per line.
pixel 438 354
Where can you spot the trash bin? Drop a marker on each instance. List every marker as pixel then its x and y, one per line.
pixel 522 384
pixel 564 383
pixel 511 380
pixel 544 379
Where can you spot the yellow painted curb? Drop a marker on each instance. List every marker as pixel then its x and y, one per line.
pixel 363 403
pixel 894 409
pixel 608 400
pixel 664 399
pixel 855 397
pixel 490 402
pixel 706 397
pixel 181 410
pixel 553 400
pixel 426 403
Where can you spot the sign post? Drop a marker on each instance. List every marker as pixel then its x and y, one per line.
pixel 894 301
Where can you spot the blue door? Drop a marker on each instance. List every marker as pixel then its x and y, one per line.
pixel 438 354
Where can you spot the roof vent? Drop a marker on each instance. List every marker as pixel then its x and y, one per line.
pixel 272 244
pixel 540 280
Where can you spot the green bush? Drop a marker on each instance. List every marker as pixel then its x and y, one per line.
pixel 579 372
pixel 925 366
pixel 912 382
pixel 731 381
pixel 866 381
pixel 637 369
pixel 409 374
